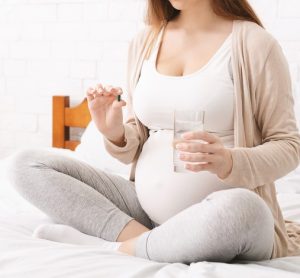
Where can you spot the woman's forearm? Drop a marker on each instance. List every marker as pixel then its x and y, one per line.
pixel 125 151
pixel 256 166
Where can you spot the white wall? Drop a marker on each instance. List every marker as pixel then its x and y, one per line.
pixel 61 47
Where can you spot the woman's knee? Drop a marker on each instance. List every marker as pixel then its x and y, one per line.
pixel 245 206
pixel 26 158
pixel 237 198
pixel 247 218
pixel 259 230
pixel 23 165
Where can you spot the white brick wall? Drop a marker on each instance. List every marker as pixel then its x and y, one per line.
pixel 64 46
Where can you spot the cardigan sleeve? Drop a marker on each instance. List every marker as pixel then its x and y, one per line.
pixel 279 152
pixel 127 153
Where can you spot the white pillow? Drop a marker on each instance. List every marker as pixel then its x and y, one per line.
pixel 91 150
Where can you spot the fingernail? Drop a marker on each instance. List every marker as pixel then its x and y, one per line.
pixel 182 156
pixel 179 146
pixel 185 135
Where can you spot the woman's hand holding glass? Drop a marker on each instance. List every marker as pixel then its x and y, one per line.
pixel 212 155
pixel 106 111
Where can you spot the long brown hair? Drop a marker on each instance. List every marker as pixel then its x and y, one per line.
pixel 160 11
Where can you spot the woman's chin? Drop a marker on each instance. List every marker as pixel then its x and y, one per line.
pixel 177 4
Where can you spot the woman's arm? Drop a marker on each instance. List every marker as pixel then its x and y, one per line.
pixel 127 151
pixel 279 152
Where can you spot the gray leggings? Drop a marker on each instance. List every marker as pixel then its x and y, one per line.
pixel 226 225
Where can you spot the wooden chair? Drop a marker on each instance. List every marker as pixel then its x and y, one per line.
pixel 65 117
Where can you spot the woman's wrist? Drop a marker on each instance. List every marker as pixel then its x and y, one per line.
pixel 119 141
pixel 229 164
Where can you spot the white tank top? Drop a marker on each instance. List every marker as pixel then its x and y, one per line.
pixel 162 192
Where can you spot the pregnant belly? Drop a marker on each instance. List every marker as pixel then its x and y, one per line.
pixel 163 192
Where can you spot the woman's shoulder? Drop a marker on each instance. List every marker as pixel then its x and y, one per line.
pixel 254 37
pixel 142 36
pixel 142 41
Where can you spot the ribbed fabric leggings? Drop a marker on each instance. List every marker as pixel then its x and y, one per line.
pixel 226 225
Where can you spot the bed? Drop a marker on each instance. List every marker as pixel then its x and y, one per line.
pixel 24 256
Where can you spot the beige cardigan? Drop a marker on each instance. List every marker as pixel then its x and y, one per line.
pixel 266 138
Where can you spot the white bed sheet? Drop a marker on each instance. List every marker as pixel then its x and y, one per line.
pixel 24 256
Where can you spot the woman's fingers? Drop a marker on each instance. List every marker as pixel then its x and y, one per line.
pixel 104 93
pixel 118 90
pixel 115 91
pixel 99 87
pixel 118 104
pixel 195 147
pixel 107 90
pixel 99 90
pixel 108 87
pixel 200 167
pixel 90 93
pixel 201 135
pixel 197 157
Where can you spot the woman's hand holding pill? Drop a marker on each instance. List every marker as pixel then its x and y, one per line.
pixel 105 107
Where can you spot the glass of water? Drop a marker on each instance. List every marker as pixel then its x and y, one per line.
pixel 184 121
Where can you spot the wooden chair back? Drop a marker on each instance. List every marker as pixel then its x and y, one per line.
pixel 65 117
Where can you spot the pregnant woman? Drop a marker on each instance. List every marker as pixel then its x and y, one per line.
pixel 211 55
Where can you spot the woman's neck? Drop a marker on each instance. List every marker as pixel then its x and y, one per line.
pixel 198 17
